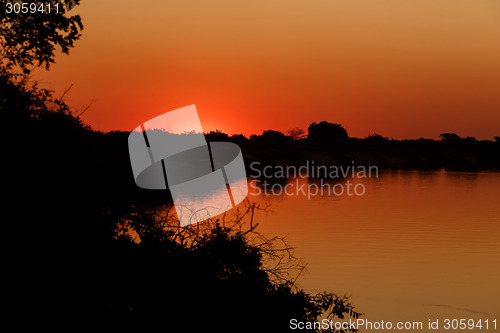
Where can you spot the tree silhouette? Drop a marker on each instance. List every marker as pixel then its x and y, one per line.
pixel 324 133
pixel 450 137
pixel 271 137
pixel 376 138
pixel 30 40
pixel 216 135
pixel 296 133
pixel 239 139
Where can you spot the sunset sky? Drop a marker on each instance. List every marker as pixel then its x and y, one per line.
pixel 400 68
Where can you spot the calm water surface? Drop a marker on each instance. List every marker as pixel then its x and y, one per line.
pixel 416 245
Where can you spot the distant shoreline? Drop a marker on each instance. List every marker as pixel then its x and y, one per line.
pixel 404 155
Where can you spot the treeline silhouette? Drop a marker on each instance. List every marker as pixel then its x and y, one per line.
pixel 329 144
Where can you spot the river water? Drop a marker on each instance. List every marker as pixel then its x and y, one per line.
pixel 415 246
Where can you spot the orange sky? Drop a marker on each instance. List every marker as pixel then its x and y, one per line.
pixel 400 68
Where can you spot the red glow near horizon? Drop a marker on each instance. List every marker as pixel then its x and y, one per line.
pixel 397 69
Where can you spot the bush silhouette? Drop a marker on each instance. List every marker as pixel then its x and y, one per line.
pixel 216 136
pixel 215 271
pixel 325 133
pixel 239 139
pixel 450 137
pixel 376 138
pixel 271 137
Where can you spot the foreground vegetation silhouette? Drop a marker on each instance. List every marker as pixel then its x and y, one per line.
pixel 85 245
pixel 86 248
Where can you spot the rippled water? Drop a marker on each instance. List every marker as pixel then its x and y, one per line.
pixel 416 245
